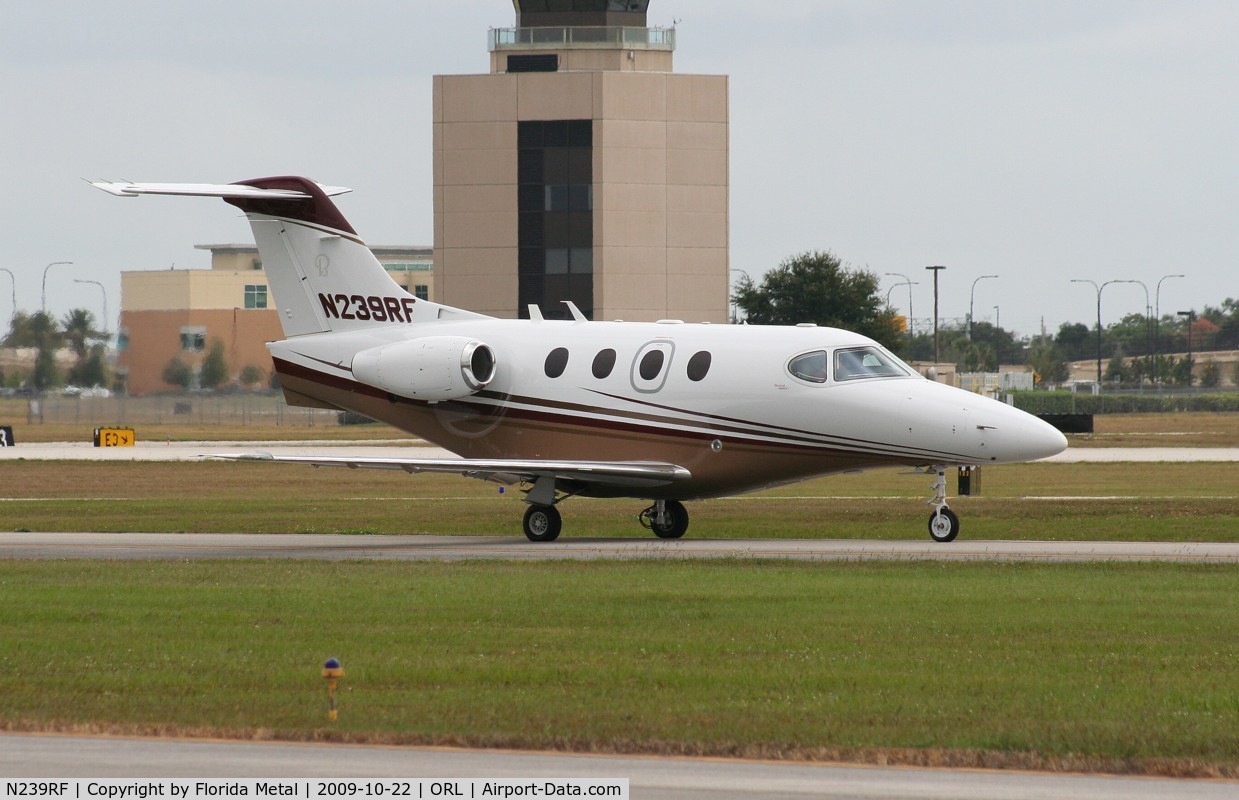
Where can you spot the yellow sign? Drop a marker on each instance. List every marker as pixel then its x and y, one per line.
pixel 114 437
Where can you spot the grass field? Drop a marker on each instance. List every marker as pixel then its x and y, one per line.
pixel 1087 667
pixel 1126 501
pixel 1122 668
pixel 1161 430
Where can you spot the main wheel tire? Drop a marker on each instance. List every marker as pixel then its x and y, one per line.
pixel 542 523
pixel 944 525
pixel 676 526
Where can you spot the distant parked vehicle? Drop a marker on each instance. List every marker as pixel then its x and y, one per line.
pixel 91 391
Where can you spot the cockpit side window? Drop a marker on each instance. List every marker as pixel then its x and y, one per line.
pixel 809 366
pixel 866 362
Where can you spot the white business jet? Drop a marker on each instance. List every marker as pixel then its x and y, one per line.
pixel 664 411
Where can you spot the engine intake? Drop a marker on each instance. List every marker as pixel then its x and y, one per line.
pixel 431 368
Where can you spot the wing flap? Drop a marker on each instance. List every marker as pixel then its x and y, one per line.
pixel 507 471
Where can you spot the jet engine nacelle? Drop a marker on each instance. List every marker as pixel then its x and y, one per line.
pixel 431 368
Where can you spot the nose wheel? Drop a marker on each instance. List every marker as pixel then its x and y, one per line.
pixel 943 524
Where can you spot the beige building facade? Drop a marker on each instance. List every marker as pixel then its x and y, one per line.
pixel 178 313
pixel 583 168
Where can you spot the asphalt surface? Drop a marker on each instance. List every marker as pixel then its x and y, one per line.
pixel 330 547
pixel 36 756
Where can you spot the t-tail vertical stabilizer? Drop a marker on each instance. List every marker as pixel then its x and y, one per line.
pixel 322 276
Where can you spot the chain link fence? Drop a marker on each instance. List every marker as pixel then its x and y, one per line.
pixel 258 410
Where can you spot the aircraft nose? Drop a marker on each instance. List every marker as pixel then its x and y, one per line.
pixel 1035 439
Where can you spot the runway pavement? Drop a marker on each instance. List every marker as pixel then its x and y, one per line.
pixel 35 756
pixel 328 547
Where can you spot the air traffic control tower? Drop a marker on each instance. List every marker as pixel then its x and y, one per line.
pixel 582 168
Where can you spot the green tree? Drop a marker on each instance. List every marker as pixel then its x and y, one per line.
pixel 978 357
pixel 1210 375
pixel 817 287
pixel 177 373
pixel 78 328
pixel 1047 362
pixel 1130 334
pixel 251 375
pixel 91 370
pixel 1076 341
pixel 214 366
pixel 79 331
pixel 1116 369
pixel 40 331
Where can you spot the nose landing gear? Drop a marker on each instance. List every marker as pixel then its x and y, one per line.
pixel 943 524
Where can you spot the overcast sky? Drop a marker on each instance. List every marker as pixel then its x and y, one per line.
pixel 1041 141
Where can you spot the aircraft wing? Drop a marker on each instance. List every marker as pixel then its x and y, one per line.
pixel 507 471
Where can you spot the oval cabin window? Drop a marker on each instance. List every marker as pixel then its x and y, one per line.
pixel 604 362
pixel 556 362
pixel 699 365
pixel 651 365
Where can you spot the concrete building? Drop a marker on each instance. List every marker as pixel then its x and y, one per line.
pixel 582 168
pixel 176 313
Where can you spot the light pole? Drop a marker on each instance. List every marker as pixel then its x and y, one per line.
pixel 910 284
pixel 105 301
pixel 971 296
pixel 896 286
pixel 43 307
pixel 1157 327
pixel 1191 317
pixel 735 311
pixel 936 270
pixel 1098 288
pixel 13 281
pixel 998 336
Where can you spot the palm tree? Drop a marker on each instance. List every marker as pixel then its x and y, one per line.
pixel 40 331
pixel 79 329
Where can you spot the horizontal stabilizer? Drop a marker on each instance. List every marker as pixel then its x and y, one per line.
pixel 595 473
pixel 225 190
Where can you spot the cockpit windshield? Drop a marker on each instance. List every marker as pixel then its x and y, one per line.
pixel 852 363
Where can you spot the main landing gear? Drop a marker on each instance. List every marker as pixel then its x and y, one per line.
pixel 542 523
pixel 668 519
pixel 943 524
